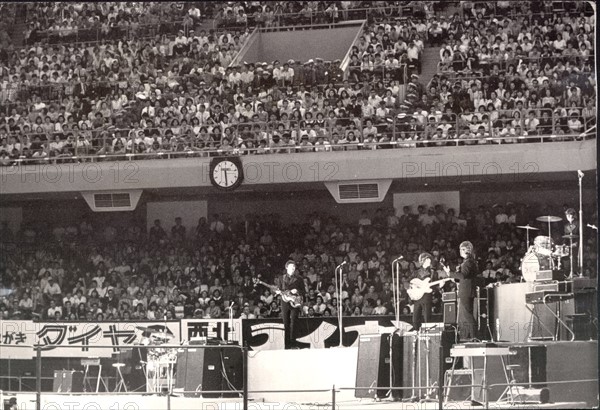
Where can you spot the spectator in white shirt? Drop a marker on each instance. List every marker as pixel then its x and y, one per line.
pixel 501 217
pixel 53 310
pixel 429 218
pixel 364 219
pixel 52 288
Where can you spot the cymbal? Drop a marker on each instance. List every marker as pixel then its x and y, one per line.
pixel 162 336
pixel 571 236
pixel 154 332
pixel 530 228
pixel 548 218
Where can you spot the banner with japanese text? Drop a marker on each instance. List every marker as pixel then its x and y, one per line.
pixel 223 330
pixel 320 332
pixel 89 337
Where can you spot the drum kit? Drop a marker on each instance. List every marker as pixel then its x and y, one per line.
pixel 161 360
pixel 541 256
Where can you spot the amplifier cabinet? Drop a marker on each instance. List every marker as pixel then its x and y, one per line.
pixel 450 312
pixel 68 381
pixel 209 369
pixel 373 366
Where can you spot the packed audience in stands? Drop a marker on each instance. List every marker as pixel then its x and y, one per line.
pixel 504 73
pixel 80 271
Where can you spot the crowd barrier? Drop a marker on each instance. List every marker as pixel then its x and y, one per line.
pixel 102 34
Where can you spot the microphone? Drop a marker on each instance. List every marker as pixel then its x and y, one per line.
pixel 399 258
pixel 592 226
pixel 342 264
pixel 580 173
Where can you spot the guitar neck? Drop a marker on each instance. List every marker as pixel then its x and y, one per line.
pixel 438 282
pixel 272 287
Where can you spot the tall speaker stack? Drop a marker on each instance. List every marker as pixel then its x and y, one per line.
pixel 373 367
pixel 418 360
pixel 202 371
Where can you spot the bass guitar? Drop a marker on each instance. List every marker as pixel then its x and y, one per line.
pixel 286 295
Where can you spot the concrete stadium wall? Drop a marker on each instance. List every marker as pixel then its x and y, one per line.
pixel 302 45
pixel 487 164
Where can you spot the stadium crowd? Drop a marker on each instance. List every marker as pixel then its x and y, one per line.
pixel 504 74
pixel 79 271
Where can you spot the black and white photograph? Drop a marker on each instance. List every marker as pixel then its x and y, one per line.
pixel 275 205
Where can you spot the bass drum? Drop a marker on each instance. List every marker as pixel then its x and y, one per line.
pixel 533 263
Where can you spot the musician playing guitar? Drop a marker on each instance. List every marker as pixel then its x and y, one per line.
pixel 422 306
pixel 293 283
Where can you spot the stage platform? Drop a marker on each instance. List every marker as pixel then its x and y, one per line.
pixel 50 401
pixel 304 379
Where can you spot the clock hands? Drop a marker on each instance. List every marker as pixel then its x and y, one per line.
pixel 225 170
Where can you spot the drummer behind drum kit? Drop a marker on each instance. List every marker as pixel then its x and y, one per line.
pixel 544 256
pixel 159 369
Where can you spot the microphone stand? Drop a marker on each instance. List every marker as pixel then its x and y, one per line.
pixel 396 297
pixel 170 364
pixel 339 284
pixel 580 175
pixel 231 314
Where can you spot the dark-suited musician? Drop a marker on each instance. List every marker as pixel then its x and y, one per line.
pixel 465 274
pixel 422 307
pixel 572 228
pixel 293 282
pixel 572 225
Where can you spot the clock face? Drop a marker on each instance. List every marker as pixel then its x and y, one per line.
pixel 226 174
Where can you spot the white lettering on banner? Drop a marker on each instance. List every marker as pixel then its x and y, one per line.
pixel 317 338
pixel 221 329
pixel 276 336
pixel 90 337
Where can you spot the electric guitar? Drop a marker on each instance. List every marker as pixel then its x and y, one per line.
pixel 419 287
pixel 286 295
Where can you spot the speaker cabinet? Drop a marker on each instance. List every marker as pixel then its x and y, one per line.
pixel 407 358
pixel 450 314
pixel 373 367
pixel 209 369
pixel 586 314
pixel 68 381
